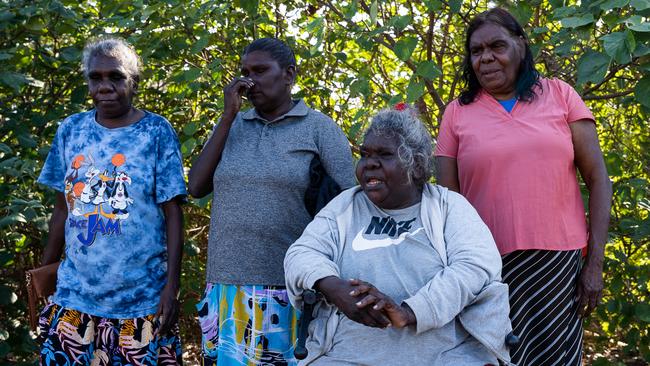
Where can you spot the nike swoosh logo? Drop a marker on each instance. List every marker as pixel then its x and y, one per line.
pixel 360 243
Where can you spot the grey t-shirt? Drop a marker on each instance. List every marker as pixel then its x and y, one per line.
pixel 391 250
pixel 258 205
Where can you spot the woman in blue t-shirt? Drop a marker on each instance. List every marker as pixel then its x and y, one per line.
pixel 118 178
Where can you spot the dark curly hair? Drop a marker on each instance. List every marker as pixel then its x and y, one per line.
pixel 528 76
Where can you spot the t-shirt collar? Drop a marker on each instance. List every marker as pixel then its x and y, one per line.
pixel 299 109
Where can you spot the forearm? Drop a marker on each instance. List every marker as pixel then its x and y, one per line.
pixel 56 237
pixel 202 171
pixel 174 231
pixel 600 195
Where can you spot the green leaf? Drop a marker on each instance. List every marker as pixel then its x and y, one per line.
pixel 640 4
pixel 373 12
pixel 619 45
pixel 522 12
pixel 575 22
pixel 428 70
pixel 188 146
pixel 564 12
pixel 360 86
pixel 351 10
pixel 433 5
pixel 249 6
pixel 414 90
pixel 200 44
pixel 190 128
pixel 71 54
pixel 399 22
pixel 404 48
pixel 4 148
pixel 592 67
pixel 643 27
pixel 612 4
pixel 13 80
pixel 642 91
pixel 455 5
pixel 642 311
pixel 12 219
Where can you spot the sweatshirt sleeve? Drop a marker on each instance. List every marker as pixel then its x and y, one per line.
pixel 312 257
pixel 473 262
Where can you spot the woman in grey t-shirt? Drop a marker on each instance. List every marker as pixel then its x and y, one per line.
pixel 257 164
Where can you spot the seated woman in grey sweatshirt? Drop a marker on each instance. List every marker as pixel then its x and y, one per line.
pixel 409 272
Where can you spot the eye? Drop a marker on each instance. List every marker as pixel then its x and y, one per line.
pixel 116 76
pixel 94 76
pixel 475 51
pixel 499 46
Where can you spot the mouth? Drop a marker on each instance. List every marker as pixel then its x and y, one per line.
pixel 373 182
pixel 490 72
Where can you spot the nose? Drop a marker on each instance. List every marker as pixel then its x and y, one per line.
pixel 372 163
pixel 487 56
pixel 105 86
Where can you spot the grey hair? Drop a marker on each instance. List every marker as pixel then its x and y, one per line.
pixel 415 150
pixel 116 48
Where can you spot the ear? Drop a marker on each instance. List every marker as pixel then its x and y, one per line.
pixel 290 74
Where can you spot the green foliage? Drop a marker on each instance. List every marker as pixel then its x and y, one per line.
pixel 355 58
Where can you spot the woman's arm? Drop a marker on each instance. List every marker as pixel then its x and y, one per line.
pixel 168 307
pixel 447 173
pixel 473 263
pixel 56 237
pixel 590 163
pixel 200 176
pixel 310 263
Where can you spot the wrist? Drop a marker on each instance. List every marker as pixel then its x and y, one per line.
pixel 326 284
pixel 410 315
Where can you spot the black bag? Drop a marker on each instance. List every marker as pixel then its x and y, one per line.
pixel 322 188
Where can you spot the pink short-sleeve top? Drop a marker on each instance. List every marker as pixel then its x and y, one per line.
pixel 517 168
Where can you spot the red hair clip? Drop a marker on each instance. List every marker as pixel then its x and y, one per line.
pixel 400 106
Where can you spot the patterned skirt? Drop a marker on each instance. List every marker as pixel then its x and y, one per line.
pixel 247 325
pixel 543 306
pixel 70 337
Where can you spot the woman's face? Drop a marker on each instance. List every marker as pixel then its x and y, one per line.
pixel 272 83
pixel 382 176
pixel 496 56
pixel 109 87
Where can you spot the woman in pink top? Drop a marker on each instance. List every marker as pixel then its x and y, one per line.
pixel 511 144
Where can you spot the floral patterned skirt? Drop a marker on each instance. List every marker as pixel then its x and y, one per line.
pixel 70 337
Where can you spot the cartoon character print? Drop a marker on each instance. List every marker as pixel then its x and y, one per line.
pixel 119 199
pixel 99 200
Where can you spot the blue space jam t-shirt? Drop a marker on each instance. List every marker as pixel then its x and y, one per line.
pixel 114 182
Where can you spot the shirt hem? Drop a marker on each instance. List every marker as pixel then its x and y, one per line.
pixel 106 314
pixel 543 247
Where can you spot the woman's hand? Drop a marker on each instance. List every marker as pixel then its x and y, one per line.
pixel 233 94
pixel 399 316
pixel 167 309
pixel 339 292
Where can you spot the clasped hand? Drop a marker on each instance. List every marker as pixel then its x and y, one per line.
pixel 364 303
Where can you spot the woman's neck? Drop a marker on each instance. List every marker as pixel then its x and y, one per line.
pixel 281 108
pixel 132 116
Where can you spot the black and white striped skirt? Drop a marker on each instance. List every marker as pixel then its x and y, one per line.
pixel 543 306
